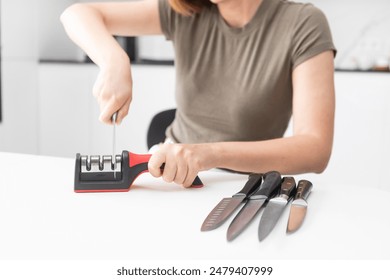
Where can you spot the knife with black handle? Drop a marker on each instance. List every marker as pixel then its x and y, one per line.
pixel 228 205
pixel 272 181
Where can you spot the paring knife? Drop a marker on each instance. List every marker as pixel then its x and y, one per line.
pixel 299 206
pixel 228 205
pixel 271 182
pixel 275 207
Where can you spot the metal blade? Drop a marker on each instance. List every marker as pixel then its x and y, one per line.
pixel 114 116
pixel 297 215
pixel 271 215
pixel 244 217
pixel 221 212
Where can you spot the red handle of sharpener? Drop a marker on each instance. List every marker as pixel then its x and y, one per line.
pixel 143 159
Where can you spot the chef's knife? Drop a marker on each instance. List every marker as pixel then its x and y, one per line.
pixel 228 205
pixel 299 206
pixel 271 182
pixel 275 207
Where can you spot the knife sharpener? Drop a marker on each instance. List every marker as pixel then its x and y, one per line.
pixel 102 174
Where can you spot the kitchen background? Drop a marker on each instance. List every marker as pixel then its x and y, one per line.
pixel 47 107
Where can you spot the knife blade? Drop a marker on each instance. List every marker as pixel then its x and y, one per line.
pixel 275 207
pixel 271 182
pixel 299 206
pixel 228 205
pixel 114 116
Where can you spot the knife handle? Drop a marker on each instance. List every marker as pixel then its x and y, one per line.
pixel 304 189
pixel 288 186
pixel 271 181
pixel 254 180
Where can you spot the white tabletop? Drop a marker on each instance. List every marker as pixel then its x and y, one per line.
pixel 42 217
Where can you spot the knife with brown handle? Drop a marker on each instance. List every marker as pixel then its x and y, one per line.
pixel 299 206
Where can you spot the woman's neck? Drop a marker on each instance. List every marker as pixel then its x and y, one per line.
pixel 238 13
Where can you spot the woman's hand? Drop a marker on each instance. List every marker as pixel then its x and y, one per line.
pixel 182 162
pixel 92 26
pixel 113 91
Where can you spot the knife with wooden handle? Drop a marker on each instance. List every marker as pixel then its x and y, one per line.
pixel 299 206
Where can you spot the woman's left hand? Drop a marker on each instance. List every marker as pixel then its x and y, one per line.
pixel 182 162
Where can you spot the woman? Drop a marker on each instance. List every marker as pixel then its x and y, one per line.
pixel 243 68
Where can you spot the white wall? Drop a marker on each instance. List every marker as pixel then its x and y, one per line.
pixel 362 130
pixel 18 131
pixel 53 42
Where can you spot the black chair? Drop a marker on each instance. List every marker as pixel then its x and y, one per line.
pixel 158 125
pixel 156 134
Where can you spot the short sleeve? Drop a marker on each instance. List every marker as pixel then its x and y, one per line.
pixel 167 18
pixel 311 35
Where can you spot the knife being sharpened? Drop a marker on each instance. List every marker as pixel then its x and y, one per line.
pixel 271 182
pixel 228 205
pixel 299 206
pixel 114 117
pixel 275 207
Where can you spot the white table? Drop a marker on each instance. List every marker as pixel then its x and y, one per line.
pixel 41 217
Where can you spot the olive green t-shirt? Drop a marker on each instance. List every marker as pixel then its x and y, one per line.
pixel 235 84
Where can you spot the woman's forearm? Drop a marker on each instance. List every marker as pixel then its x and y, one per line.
pixel 86 27
pixel 290 155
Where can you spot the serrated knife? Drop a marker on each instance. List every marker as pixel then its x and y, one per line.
pixel 275 207
pixel 271 182
pixel 299 206
pixel 228 205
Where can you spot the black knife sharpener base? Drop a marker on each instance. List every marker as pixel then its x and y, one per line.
pixel 106 181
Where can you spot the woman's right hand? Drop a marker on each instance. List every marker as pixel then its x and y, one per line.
pixel 113 90
pixel 92 26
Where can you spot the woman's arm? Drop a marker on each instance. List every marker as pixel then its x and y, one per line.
pixel 92 26
pixel 308 150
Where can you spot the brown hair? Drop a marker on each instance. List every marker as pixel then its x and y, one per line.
pixel 189 7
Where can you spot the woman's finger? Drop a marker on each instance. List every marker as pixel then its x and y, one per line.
pixel 182 171
pixel 155 162
pixel 192 173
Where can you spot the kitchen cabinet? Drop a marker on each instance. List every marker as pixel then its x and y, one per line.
pixel 19 70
